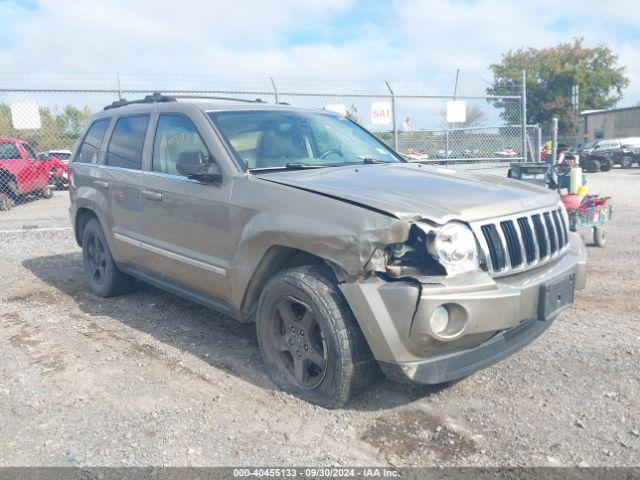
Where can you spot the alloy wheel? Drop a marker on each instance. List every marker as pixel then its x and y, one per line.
pixel 296 339
pixel 97 258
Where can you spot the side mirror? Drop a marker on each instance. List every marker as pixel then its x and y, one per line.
pixel 194 164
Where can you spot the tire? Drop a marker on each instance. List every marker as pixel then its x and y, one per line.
pixel 44 193
pixel 10 189
pixel 626 162
pixel 6 202
pixel 104 277
pixel 599 237
pixel 304 321
pixel 592 166
pixel 606 165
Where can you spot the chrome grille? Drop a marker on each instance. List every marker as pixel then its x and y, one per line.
pixel 519 242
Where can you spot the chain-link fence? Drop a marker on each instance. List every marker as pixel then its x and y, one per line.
pixel 41 117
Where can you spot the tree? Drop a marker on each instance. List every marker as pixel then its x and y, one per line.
pixel 352 114
pixel 551 74
pixel 57 132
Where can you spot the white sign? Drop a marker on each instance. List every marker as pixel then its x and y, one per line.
pixel 456 111
pixel 25 116
pixel 381 113
pixel 338 108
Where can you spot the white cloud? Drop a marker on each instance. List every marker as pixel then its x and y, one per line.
pixel 419 39
pixel 450 34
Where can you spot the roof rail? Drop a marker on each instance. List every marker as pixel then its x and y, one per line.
pixel 157 97
pixel 219 97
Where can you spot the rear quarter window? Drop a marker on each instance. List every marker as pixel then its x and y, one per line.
pixel 88 152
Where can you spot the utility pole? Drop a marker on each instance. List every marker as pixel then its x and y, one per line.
pixel 455 94
pixel 393 116
pixel 119 86
pixel 523 108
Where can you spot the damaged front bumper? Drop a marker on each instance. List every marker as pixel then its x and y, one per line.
pixel 498 317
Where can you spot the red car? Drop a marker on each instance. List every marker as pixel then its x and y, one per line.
pixel 20 172
pixel 57 161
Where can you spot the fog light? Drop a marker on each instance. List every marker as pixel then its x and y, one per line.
pixel 439 320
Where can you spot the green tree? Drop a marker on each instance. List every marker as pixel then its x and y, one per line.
pixel 56 131
pixel 551 74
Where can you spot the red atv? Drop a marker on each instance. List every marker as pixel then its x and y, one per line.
pixel 21 173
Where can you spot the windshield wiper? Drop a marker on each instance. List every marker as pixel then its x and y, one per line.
pixel 371 160
pixel 302 166
pixel 287 166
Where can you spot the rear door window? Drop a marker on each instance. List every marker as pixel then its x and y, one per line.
pixel 90 147
pixel 127 142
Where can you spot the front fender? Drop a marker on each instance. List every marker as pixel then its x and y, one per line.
pixel 343 234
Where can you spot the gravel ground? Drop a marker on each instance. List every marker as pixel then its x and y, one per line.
pixel 151 379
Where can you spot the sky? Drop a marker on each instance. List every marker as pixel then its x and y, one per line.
pixel 351 40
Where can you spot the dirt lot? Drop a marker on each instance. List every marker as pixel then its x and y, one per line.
pixel 151 379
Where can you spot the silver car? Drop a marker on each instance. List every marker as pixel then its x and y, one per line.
pixel 349 260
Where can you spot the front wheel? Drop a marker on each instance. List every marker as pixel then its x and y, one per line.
pixel 104 276
pixel 309 340
pixel 59 183
pixel 626 162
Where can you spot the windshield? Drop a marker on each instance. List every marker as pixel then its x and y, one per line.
pixel 269 139
pixel 589 144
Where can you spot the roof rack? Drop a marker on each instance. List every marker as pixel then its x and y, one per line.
pixel 157 97
pixel 218 97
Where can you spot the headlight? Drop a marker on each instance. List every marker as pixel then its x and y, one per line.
pixel 454 246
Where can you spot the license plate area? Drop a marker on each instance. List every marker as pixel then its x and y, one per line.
pixel 556 296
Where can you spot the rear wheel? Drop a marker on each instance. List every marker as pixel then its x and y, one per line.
pixel 10 188
pixel 309 340
pixel 599 237
pixel 606 165
pixel 105 279
pixel 592 166
pixel 6 202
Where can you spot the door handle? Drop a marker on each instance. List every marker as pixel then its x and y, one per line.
pixel 101 184
pixel 151 195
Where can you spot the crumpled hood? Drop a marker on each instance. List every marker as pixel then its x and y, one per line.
pixel 414 191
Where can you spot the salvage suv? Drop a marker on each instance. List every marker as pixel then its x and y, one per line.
pixel 348 259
